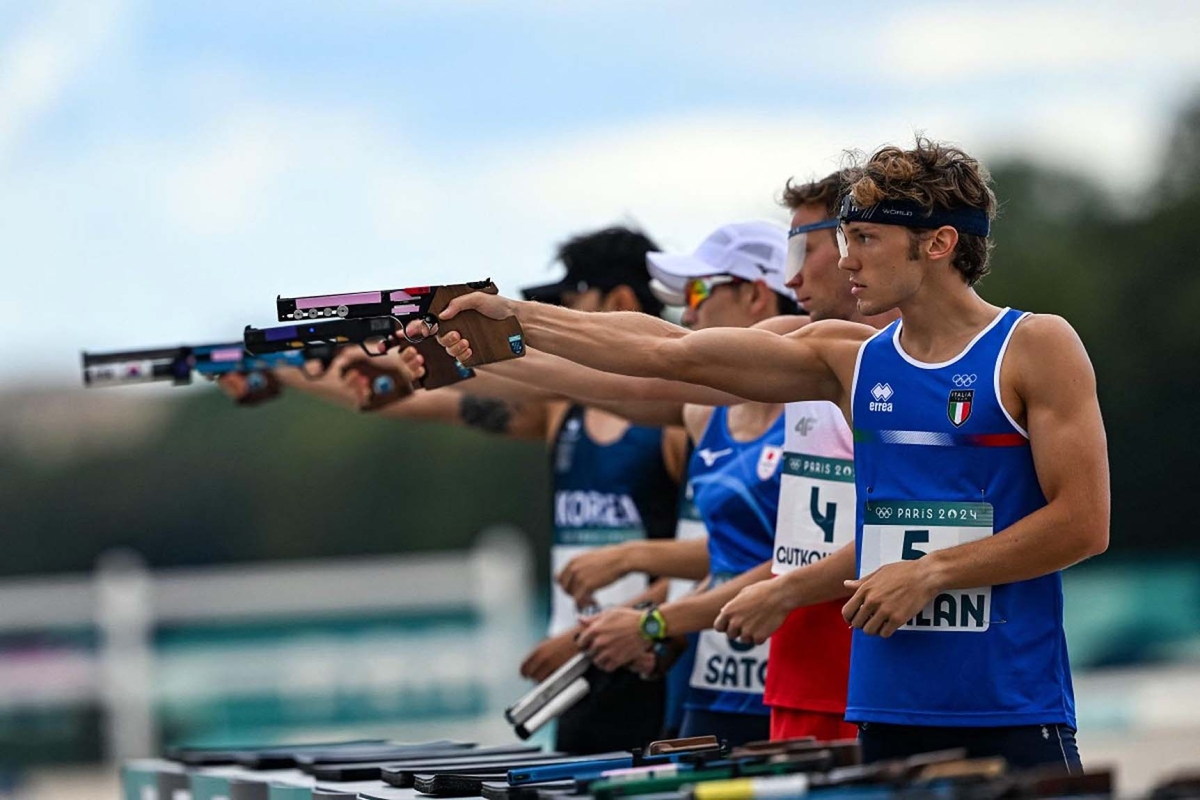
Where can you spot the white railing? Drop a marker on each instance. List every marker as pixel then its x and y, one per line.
pixel 124 603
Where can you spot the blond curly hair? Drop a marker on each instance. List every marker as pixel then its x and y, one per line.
pixel 935 176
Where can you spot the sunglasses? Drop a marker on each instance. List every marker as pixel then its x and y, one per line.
pixel 697 290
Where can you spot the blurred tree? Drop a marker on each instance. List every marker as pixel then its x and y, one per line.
pixel 297 479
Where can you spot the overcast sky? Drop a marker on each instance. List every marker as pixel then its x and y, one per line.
pixel 167 168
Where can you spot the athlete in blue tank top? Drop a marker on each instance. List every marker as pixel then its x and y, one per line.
pixel 979 656
pixel 735 487
pixel 980 462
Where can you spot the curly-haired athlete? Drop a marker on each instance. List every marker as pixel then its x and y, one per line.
pixel 980 461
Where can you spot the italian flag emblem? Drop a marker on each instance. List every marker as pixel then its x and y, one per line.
pixel 959 408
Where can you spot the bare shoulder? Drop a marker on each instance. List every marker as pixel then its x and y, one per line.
pixel 1046 354
pixel 784 324
pixel 835 330
pixel 695 419
pixel 1042 330
pixel 1043 341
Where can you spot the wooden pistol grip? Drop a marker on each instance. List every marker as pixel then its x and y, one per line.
pixel 491 340
pixel 441 369
pixel 665 746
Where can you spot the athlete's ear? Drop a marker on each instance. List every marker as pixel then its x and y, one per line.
pixel 942 243
pixel 760 297
pixel 622 298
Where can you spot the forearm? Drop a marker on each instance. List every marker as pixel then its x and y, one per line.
pixel 1048 540
pixel 822 581
pixel 555 374
pixel 668 558
pixel 751 364
pixel 697 612
pixel 610 341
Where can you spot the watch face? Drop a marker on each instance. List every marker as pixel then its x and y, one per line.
pixel 652 626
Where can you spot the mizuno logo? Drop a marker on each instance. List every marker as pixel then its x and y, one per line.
pixel 709 457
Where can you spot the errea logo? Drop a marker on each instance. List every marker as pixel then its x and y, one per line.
pixel 882 394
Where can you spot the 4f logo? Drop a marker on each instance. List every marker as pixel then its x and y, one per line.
pixel 805 425
pixel 959 407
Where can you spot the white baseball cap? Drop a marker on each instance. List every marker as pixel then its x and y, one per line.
pixel 753 251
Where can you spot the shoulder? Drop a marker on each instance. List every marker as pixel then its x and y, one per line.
pixel 1046 353
pixel 1039 338
pixel 835 330
pixel 696 419
pixel 1044 327
pixel 786 323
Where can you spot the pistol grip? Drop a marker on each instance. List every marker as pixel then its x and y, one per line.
pixel 491 340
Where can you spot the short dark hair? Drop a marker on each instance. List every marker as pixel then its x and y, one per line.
pixel 612 257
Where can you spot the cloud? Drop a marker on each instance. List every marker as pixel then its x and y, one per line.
pixel 1052 40
pixel 38 63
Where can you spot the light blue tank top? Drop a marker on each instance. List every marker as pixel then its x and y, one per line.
pixel 939 462
pixel 735 487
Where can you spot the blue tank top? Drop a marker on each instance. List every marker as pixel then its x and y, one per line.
pixel 735 487
pixel 939 462
pixel 606 494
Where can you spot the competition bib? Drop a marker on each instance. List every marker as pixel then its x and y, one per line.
pixel 905 530
pixel 816 510
pixel 723 665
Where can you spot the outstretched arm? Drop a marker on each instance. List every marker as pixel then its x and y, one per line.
pixel 1050 375
pixel 752 364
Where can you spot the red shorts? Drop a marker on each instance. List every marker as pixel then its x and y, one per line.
pixel 788 723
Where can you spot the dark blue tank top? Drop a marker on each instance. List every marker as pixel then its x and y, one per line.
pixel 606 494
pixel 735 487
pixel 939 462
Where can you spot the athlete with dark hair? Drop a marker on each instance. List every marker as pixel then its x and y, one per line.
pixel 612 481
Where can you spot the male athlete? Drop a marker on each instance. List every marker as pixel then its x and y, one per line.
pixel 810 652
pixel 980 460
pixel 613 481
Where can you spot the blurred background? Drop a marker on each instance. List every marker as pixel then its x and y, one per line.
pixel 176 569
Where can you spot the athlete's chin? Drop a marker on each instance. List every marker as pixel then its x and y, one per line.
pixel 869 308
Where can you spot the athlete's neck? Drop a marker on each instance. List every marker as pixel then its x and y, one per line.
pixel 876 321
pixel 940 322
pixel 749 421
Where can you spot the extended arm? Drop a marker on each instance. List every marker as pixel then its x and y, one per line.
pixel 753 364
pixel 1050 373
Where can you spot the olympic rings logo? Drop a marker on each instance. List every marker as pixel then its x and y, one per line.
pixel 963 381
pixel 883 512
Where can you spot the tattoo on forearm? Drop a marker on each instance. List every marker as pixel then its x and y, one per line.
pixel 485 413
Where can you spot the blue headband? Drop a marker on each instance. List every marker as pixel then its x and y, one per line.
pixel 911 215
pixel 824 224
